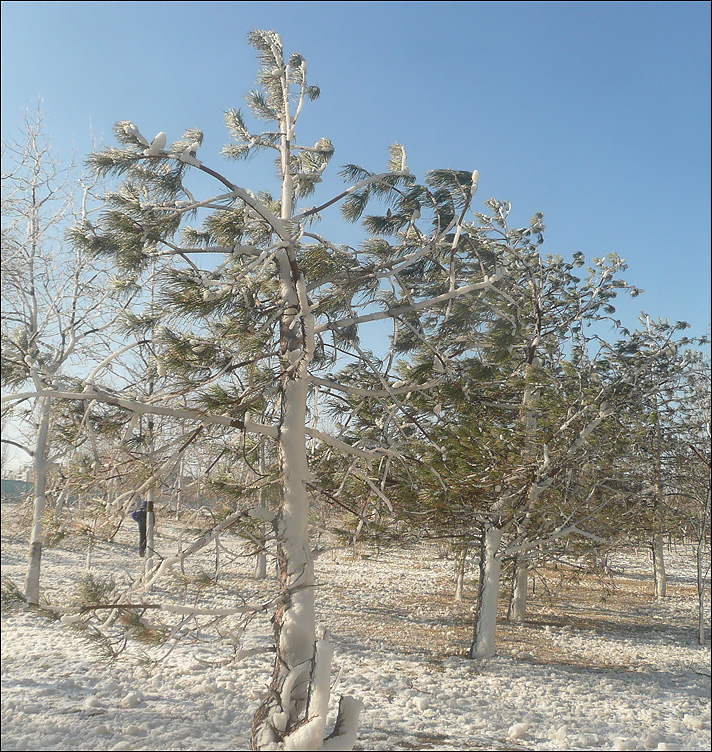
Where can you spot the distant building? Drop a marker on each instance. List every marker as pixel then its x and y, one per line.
pixel 15 490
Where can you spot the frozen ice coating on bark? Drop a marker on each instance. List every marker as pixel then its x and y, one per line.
pixel 279 720
pixel 308 736
pixel 188 155
pixel 157 145
pixel 346 730
pixel 132 130
pixel 475 182
pixel 404 159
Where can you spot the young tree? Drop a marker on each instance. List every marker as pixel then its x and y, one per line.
pixel 663 407
pixel 686 462
pixel 250 343
pixel 53 297
pixel 529 414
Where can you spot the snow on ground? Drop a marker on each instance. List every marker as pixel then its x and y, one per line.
pixel 565 680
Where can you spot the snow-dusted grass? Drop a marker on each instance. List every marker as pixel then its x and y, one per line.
pixel 593 668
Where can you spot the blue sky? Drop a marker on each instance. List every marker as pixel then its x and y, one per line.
pixel 597 114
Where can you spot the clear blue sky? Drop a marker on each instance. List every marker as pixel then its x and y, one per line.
pixel 597 114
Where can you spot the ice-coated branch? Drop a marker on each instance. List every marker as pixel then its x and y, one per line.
pixel 276 223
pixel 89 381
pixel 406 389
pixel 18 446
pixel 553 536
pixel 172 608
pixel 148 409
pixel 178 208
pixel 349 449
pixel 487 283
pixel 149 578
pixel 376 490
pixel 380 178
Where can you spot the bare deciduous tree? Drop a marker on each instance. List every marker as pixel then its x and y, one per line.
pixel 53 296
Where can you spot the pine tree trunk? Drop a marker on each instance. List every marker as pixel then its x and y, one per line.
pixel 179 489
pixel 294 626
pixel 518 602
pixel 701 612
pixel 284 710
pixel 59 504
pixel 261 559
pixel 32 578
pixel 460 575
pixel 659 574
pixel 293 715
pixel 261 566
pixel 483 642
pixel 150 530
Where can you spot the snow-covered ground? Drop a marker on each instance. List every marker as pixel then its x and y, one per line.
pixel 577 676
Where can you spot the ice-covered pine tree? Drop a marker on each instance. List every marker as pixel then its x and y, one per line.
pixel 251 341
pixel 660 427
pixel 530 413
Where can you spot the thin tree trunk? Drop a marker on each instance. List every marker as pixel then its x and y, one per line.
pixel 483 642
pixel 261 566
pixel 32 578
pixel 294 622
pixel 179 488
pixel 294 625
pixel 59 504
pixel 659 574
pixel 700 572
pixel 518 601
pixel 261 559
pixel 150 530
pixel 293 715
pixel 460 574
pixel 150 498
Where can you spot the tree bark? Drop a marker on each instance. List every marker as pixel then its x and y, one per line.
pixel 518 602
pixel 701 572
pixel 283 714
pixel 32 578
pixel 294 625
pixel 486 614
pixel 261 566
pixel 659 574
pixel 150 530
pixel 460 575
